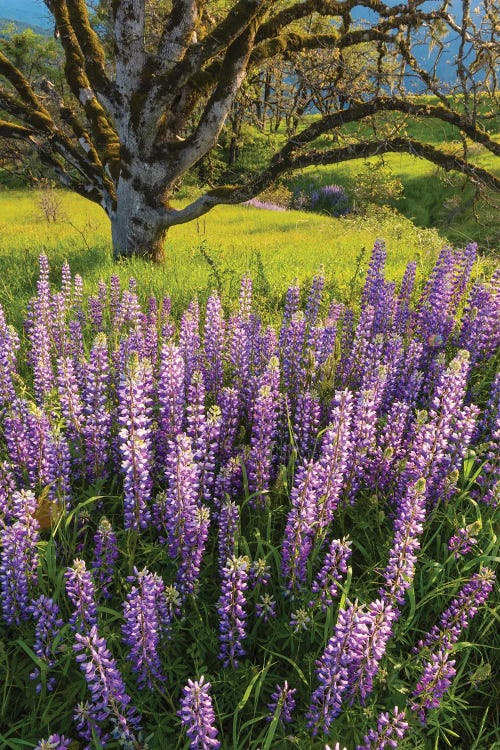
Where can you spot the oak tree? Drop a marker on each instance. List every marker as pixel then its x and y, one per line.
pixel 149 91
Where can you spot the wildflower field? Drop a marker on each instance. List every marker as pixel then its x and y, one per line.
pixel 217 533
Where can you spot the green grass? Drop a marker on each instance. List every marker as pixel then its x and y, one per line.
pixel 215 251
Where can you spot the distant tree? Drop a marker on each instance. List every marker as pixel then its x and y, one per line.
pixel 150 86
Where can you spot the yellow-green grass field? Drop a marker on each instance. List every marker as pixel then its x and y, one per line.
pixel 275 247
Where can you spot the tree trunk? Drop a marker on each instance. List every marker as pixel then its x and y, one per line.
pixel 137 227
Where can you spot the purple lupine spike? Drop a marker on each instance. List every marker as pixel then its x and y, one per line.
pixel 105 556
pixel 353 366
pixel 17 434
pixel 134 419
pixel 240 354
pixel 55 742
pixel 206 458
pixel 58 324
pixel 80 590
pixel 9 345
pixel 180 501
pixel 462 542
pixel 7 489
pixel 332 463
pixel 170 397
pixel 282 703
pixel 264 423
pixel 43 375
pixel 48 623
pixel 402 315
pixel 332 572
pixel 141 630
pixel 431 442
pixel 19 559
pixel 333 672
pixel 391 444
pixel 228 521
pixel 114 298
pixel 298 536
pixel 231 609
pixel 196 418
pixel 438 673
pixel 391 728
pixel 197 715
pixel 189 341
pixel 230 418
pixel 293 358
pixel 367 647
pixel 70 398
pixel 480 332
pixel 96 313
pixel 290 309
pixel 213 342
pixel 306 424
pixel 408 527
pixel 451 462
pixel 374 275
pixel 193 548
pixel 434 316
pixel 78 298
pixel 229 480
pixel 75 343
pixel 314 300
pixel 462 609
pixel 488 481
pixel 96 413
pixel 109 698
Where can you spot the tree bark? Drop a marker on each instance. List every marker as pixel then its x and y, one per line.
pixel 136 227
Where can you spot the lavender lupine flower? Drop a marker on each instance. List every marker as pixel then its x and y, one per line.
pixel 55 742
pixel 391 444
pixel 374 275
pixel 300 620
pixel 47 626
pixel 19 559
pixel 266 205
pixel 429 450
pixel 108 693
pixel 70 398
pixel 105 556
pixel 333 570
pixel 290 308
pixel 461 611
pixel 408 527
pixel 260 573
pixel 189 341
pixel 228 519
pixel 314 300
pixel 214 344
pixel 229 480
pixel 197 715
pixel 402 315
pixel 81 593
pixel 96 413
pixel 231 609
pixel 43 374
pixel 9 345
pixel 462 542
pixel 141 630
pixel 196 417
pixel 282 703
pixel 333 672
pixel 488 481
pixel 391 728
pixel 306 424
pixel 170 398
pixel 298 536
pixel 245 299
pixel 230 418
pixel 96 313
pixel 293 358
pixel 265 608
pixel 367 647
pixel 7 489
pixel 177 507
pixel 480 333
pixel 332 463
pixel 134 419
pixel 438 673
pixel 206 456
pixel 264 422
pixel 195 539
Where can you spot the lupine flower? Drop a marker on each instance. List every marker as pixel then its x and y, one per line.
pixel 45 613
pixel 81 593
pixel 264 421
pixel 231 609
pixel 97 417
pixel 229 519
pixel 170 397
pixel 300 620
pixel 54 742
pixel 437 676
pixel 9 345
pixel 282 703
pixel 334 568
pixel 462 542
pixel 108 693
pixel 135 442
pixel 260 573
pixel 141 630
pixel 19 559
pixel 214 343
pixel 391 728
pixel 197 715
pixel 105 556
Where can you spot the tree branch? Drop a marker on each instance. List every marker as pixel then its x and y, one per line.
pixel 281 164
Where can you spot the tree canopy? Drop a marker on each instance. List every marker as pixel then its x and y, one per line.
pixel 149 87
